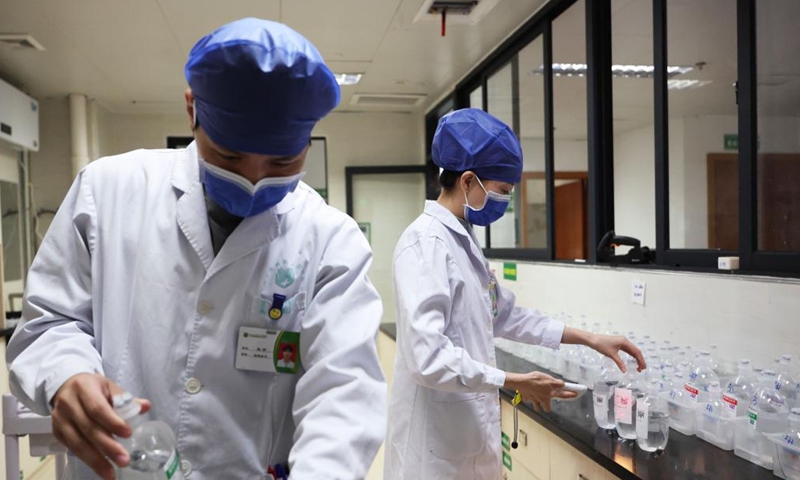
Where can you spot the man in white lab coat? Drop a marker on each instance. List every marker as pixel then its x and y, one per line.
pixel 176 274
pixel 445 410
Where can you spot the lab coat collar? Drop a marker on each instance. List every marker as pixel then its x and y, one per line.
pixel 439 212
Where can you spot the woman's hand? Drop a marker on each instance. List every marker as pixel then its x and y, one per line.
pixel 538 388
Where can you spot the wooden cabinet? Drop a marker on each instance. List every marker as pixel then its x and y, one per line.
pixel 533 451
pixel 545 456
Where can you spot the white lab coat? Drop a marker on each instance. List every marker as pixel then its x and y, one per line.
pixel 445 407
pixel 126 284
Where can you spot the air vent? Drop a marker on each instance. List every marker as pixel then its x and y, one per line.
pixel 386 100
pixel 454 7
pixel 458 11
pixel 21 41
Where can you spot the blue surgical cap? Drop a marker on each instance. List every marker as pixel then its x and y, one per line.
pixel 471 139
pixel 259 87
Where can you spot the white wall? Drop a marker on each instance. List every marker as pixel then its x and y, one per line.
pixel 51 170
pixel 362 139
pixel 352 139
pixel 747 317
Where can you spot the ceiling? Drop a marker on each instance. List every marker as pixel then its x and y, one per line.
pixel 129 55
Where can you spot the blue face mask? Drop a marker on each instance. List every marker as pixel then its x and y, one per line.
pixel 494 207
pixel 241 198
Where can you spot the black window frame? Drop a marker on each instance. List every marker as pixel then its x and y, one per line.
pixel 600 139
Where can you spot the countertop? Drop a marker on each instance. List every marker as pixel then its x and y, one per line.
pixel 685 458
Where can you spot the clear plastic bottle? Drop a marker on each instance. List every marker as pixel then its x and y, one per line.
pixel 603 395
pixel 739 391
pixel 768 412
pixel 625 396
pixel 667 376
pixel 681 407
pixel 152 446
pixel 652 419
pixel 572 364
pixel 589 368
pixel 701 377
pixel 787 382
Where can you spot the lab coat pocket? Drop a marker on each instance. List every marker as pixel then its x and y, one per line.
pixel 456 425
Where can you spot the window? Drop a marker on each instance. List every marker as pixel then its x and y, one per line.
pixel 703 120
pixel 571 161
pixel 778 113
pixel 671 121
pixel 634 131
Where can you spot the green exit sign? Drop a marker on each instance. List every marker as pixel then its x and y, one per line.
pixel 510 271
pixel 731 141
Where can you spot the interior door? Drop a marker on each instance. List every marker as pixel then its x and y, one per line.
pixel 570 213
pixel 384 205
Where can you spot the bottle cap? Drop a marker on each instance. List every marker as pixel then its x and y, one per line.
pixel 126 406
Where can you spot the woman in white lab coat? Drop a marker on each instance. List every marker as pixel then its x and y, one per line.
pixel 444 415
pixel 179 276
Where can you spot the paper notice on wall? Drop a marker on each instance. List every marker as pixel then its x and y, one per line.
pixel 637 292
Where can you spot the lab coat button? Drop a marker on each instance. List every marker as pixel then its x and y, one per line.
pixel 186 468
pixel 205 307
pixel 193 385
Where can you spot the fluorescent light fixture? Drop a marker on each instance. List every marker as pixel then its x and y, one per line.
pixel 623 71
pixel 348 78
pixel 684 84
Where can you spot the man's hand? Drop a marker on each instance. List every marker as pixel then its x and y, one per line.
pixel 538 388
pixel 85 422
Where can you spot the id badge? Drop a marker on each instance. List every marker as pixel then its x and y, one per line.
pixel 493 295
pixel 272 351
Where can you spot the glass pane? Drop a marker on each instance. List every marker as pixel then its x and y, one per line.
pixel 384 205
pixel 9 203
pixel 703 122
pixel 778 72
pixel 501 104
pixel 570 132
pixel 533 199
pixel 476 101
pixel 634 155
pixel 476 98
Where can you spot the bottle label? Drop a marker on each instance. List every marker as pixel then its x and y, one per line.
pixel 692 391
pixel 642 418
pixel 623 405
pixel 600 400
pixel 730 403
pixel 752 417
pixel 173 465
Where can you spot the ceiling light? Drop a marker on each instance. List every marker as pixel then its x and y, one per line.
pixel 622 71
pixel 684 84
pixel 348 78
pixel 21 40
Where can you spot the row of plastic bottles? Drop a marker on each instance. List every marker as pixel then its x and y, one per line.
pixel 750 414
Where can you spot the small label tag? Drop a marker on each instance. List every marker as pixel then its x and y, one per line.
pixel 730 403
pixel 692 391
pixel 623 405
pixel 172 465
pixel 752 417
pixel 505 441
pixel 642 418
pixel 507 461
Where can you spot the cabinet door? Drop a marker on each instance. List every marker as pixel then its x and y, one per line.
pixel 533 451
pixel 566 463
pixel 518 472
